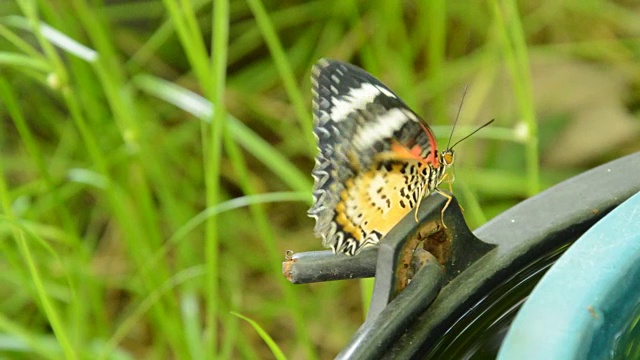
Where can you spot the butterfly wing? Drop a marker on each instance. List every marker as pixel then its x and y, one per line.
pixel 359 123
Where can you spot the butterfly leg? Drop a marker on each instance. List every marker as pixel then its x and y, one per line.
pixel 449 180
pixel 420 196
pixel 446 205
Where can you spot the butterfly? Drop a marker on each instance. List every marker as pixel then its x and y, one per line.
pixel 377 159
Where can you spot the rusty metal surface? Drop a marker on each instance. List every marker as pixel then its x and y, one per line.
pixel 454 248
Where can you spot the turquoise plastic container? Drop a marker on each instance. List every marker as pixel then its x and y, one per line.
pixel 587 306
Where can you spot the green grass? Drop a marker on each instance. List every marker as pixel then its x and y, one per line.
pixel 156 155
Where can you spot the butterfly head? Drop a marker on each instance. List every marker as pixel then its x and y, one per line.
pixel 446 158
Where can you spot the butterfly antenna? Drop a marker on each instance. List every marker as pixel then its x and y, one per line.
pixel 475 131
pixel 464 94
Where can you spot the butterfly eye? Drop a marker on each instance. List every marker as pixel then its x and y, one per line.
pixel 447 157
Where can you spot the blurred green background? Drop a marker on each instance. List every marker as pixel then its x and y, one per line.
pixel 156 155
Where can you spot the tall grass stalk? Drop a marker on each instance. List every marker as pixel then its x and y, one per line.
pixel 509 28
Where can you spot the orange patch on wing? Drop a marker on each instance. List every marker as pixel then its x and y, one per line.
pixel 404 152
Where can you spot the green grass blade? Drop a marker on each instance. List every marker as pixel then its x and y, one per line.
pixel 284 69
pixel 49 307
pixel 252 142
pixel 275 350
pixel 510 30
